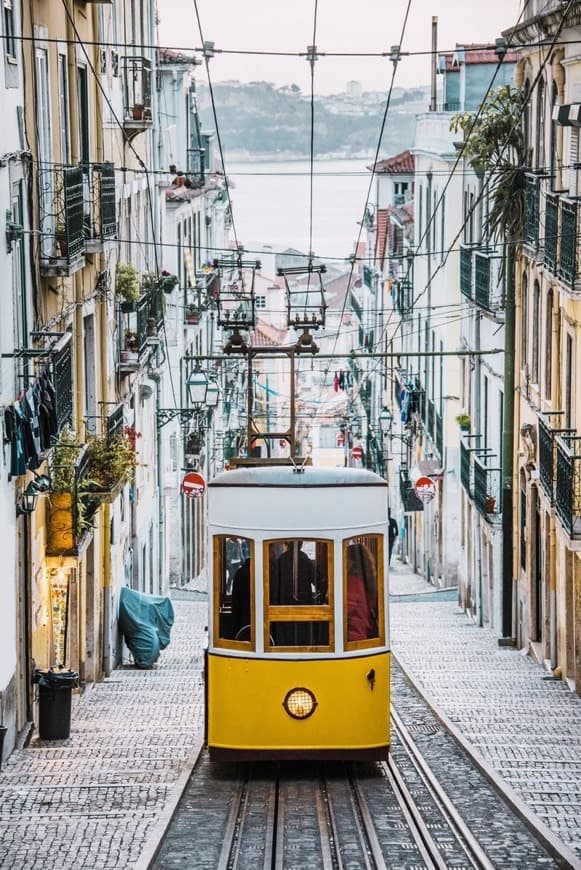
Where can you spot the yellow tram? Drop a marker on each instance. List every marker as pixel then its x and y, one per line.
pixel 298 648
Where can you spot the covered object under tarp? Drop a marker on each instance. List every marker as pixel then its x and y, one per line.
pixel 145 621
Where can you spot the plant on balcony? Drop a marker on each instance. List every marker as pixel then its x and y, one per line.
pixel 495 143
pixel 192 314
pixel 127 282
pixel 463 421
pixel 490 504
pixel 111 461
pixel 168 281
pixel 68 512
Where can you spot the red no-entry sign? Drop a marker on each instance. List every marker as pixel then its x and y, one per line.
pixel 193 485
pixel 357 452
pixel 425 489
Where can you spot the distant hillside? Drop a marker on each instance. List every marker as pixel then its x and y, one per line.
pixel 261 120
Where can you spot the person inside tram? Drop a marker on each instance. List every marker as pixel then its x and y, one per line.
pixel 294 580
pixel 361 593
pixel 241 613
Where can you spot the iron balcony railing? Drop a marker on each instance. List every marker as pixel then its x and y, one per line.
pixel 466 270
pixel 135 320
pixel 548 452
pixel 568 488
pixel 101 209
pixel 60 191
pixel 61 370
pixel 487 489
pixel 568 242
pixel 466 468
pixel 532 210
pixel 551 230
pixel 137 92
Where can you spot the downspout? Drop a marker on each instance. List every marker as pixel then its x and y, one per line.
pixel 508 447
pixel 156 378
pixel 479 422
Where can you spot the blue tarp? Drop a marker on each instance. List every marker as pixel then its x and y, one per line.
pixel 146 622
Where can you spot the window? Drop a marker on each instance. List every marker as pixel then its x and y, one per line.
pixel 524 324
pixel 298 594
pixel 9 29
pixel 233 592
pixel 548 344
pixel 536 333
pixel 540 126
pixel 260 301
pixel 63 95
pixel 83 107
pixel 363 622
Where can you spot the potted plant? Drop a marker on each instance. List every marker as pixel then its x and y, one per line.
pixel 127 284
pixel 168 281
pixel 130 349
pixel 490 504
pixel 111 462
pixel 137 111
pixel 192 314
pixel 463 421
pixel 68 513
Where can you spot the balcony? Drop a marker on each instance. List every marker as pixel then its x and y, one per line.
pixel 568 484
pixel 62 250
pixel 548 453
pixel 403 298
pixel 487 489
pixel 409 500
pixel 532 211
pixel 139 324
pixel 480 277
pixel 561 244
pixel 466 468
pixel 100 219
pixel 466 270
pixel 136 95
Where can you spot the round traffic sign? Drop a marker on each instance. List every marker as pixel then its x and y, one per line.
pixel 357 452
pixel 425 489
pixel 193 485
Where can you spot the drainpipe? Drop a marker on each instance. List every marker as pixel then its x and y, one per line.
pixel 154 376
pixel 479 423
pixel 508 446
pixel 434 66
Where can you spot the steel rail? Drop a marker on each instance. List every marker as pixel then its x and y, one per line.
pixel 464 835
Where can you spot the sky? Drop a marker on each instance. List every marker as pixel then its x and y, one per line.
pixel 342 26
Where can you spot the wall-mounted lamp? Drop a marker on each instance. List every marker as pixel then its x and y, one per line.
pixel 27 500
pixel 197 384
pixel 385 421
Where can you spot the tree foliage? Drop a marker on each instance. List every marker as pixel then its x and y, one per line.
pixel 495 144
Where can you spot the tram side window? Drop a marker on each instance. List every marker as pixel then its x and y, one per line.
pixel 362 570
pixel 233 577
pixel 298 593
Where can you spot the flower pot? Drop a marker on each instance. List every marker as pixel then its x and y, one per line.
pixel 137 112
pixel 60 529
pixel 490 504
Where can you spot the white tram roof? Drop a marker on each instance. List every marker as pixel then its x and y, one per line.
pixel 277 499
pixel 286 475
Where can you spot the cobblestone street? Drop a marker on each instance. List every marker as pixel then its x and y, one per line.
pixel 524 724
pixel 92 800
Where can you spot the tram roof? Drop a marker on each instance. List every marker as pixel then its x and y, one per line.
pixel 286 476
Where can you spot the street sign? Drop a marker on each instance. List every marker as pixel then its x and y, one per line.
pixel 357 452
pixel 425 489
pixel 193 485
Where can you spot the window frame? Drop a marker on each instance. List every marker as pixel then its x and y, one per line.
pixel 222 642
pixel 379 639
pixel 9 30
pixel 302 612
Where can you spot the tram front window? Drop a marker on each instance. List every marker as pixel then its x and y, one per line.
pixel 233 588
pixel 297 593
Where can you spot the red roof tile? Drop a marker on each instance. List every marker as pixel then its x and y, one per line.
pixel 381 237
pixel 476 53
pixel 400 163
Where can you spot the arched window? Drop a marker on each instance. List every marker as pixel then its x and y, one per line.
pixel 524 323
pixel 548 344
pixel 536 333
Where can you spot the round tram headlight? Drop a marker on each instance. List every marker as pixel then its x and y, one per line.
pixel 300 703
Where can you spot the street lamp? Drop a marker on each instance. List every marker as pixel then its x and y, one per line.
pixel 385 421
pixel 212 394
pixel 197 384
pixel 28 499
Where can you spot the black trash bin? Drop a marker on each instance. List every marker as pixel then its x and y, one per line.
pixel 55 689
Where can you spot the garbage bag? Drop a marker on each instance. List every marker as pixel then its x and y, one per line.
pixel 145 621
pixel 56 678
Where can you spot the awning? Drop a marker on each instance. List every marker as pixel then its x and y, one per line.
pixel 568 115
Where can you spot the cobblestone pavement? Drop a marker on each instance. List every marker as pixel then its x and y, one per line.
pixel 92 800
pixel 525 724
